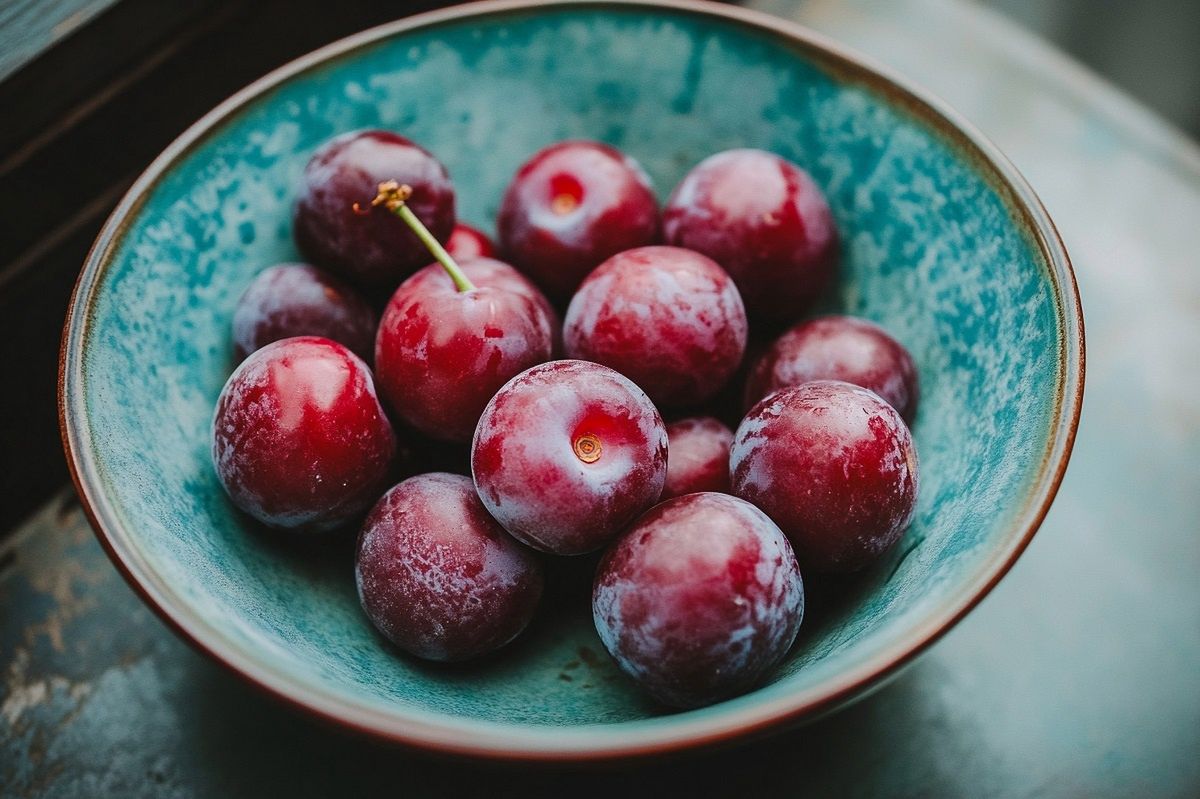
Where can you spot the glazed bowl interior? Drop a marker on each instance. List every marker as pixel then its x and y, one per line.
pixel 942 243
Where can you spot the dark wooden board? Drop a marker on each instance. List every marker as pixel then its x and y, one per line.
pixel 79 122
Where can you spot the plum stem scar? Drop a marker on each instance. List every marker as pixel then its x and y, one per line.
pixel 587 448
pixel 563 204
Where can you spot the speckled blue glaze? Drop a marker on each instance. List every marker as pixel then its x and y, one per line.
pixel 933 249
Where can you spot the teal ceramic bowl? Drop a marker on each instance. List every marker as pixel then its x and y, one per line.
pixel 944 243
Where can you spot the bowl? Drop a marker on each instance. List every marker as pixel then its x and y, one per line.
pixel 943 243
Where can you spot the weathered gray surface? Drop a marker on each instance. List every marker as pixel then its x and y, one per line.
pixel 1079 676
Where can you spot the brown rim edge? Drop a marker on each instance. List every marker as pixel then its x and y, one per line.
pixel 429 731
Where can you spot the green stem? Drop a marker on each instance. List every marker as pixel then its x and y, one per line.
pixel 461 281
pixel 392 196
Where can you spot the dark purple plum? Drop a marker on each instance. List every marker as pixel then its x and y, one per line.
pixel 300 440
pixel 838 348
pixel 570 207
pixel 438 576
pixel 567 454
pixel 300 300
pixel 441 353
pixel 697 456
pixel 669 319
pixel 699 600
pixel 372 249
pixel 834 466
pixel 766 222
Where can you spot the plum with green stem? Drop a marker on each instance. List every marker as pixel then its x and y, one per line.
pixel 445 344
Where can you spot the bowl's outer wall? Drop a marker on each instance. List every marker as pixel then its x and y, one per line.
pixel 930 249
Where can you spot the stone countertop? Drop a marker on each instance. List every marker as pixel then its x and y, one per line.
pixel 1079 675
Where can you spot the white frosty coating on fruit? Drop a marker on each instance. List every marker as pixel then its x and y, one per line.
pixel 695 444
pixel 748 438
pixel 669 294
pixel 750 435
pixel 291 299
pixel 646 609
pixel 411 561
pixel 603 169
pixel 755 202
pixel 500 320
pixel 251 373
pixel 692 439
pixel 271 302
pixel 277 292
pixel 513 344
pixel 635 167
pixel 686 306
pixel 266 422
pixel 796 434
pixel 431 290
pixel 511 341
pixel 741 198
pixel 531 423
pixel 856 354
pixel 845 348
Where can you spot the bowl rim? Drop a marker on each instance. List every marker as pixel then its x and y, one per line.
pixel 471 737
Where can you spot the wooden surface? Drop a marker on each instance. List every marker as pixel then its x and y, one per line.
pixel 29 27
pixel 77 124
pixel 1078 676
pixel 90 92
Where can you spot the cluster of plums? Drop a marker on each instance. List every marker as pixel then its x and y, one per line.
pixel 705 530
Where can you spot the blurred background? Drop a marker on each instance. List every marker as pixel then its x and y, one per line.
pixel 1149 48
pixel 92 90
